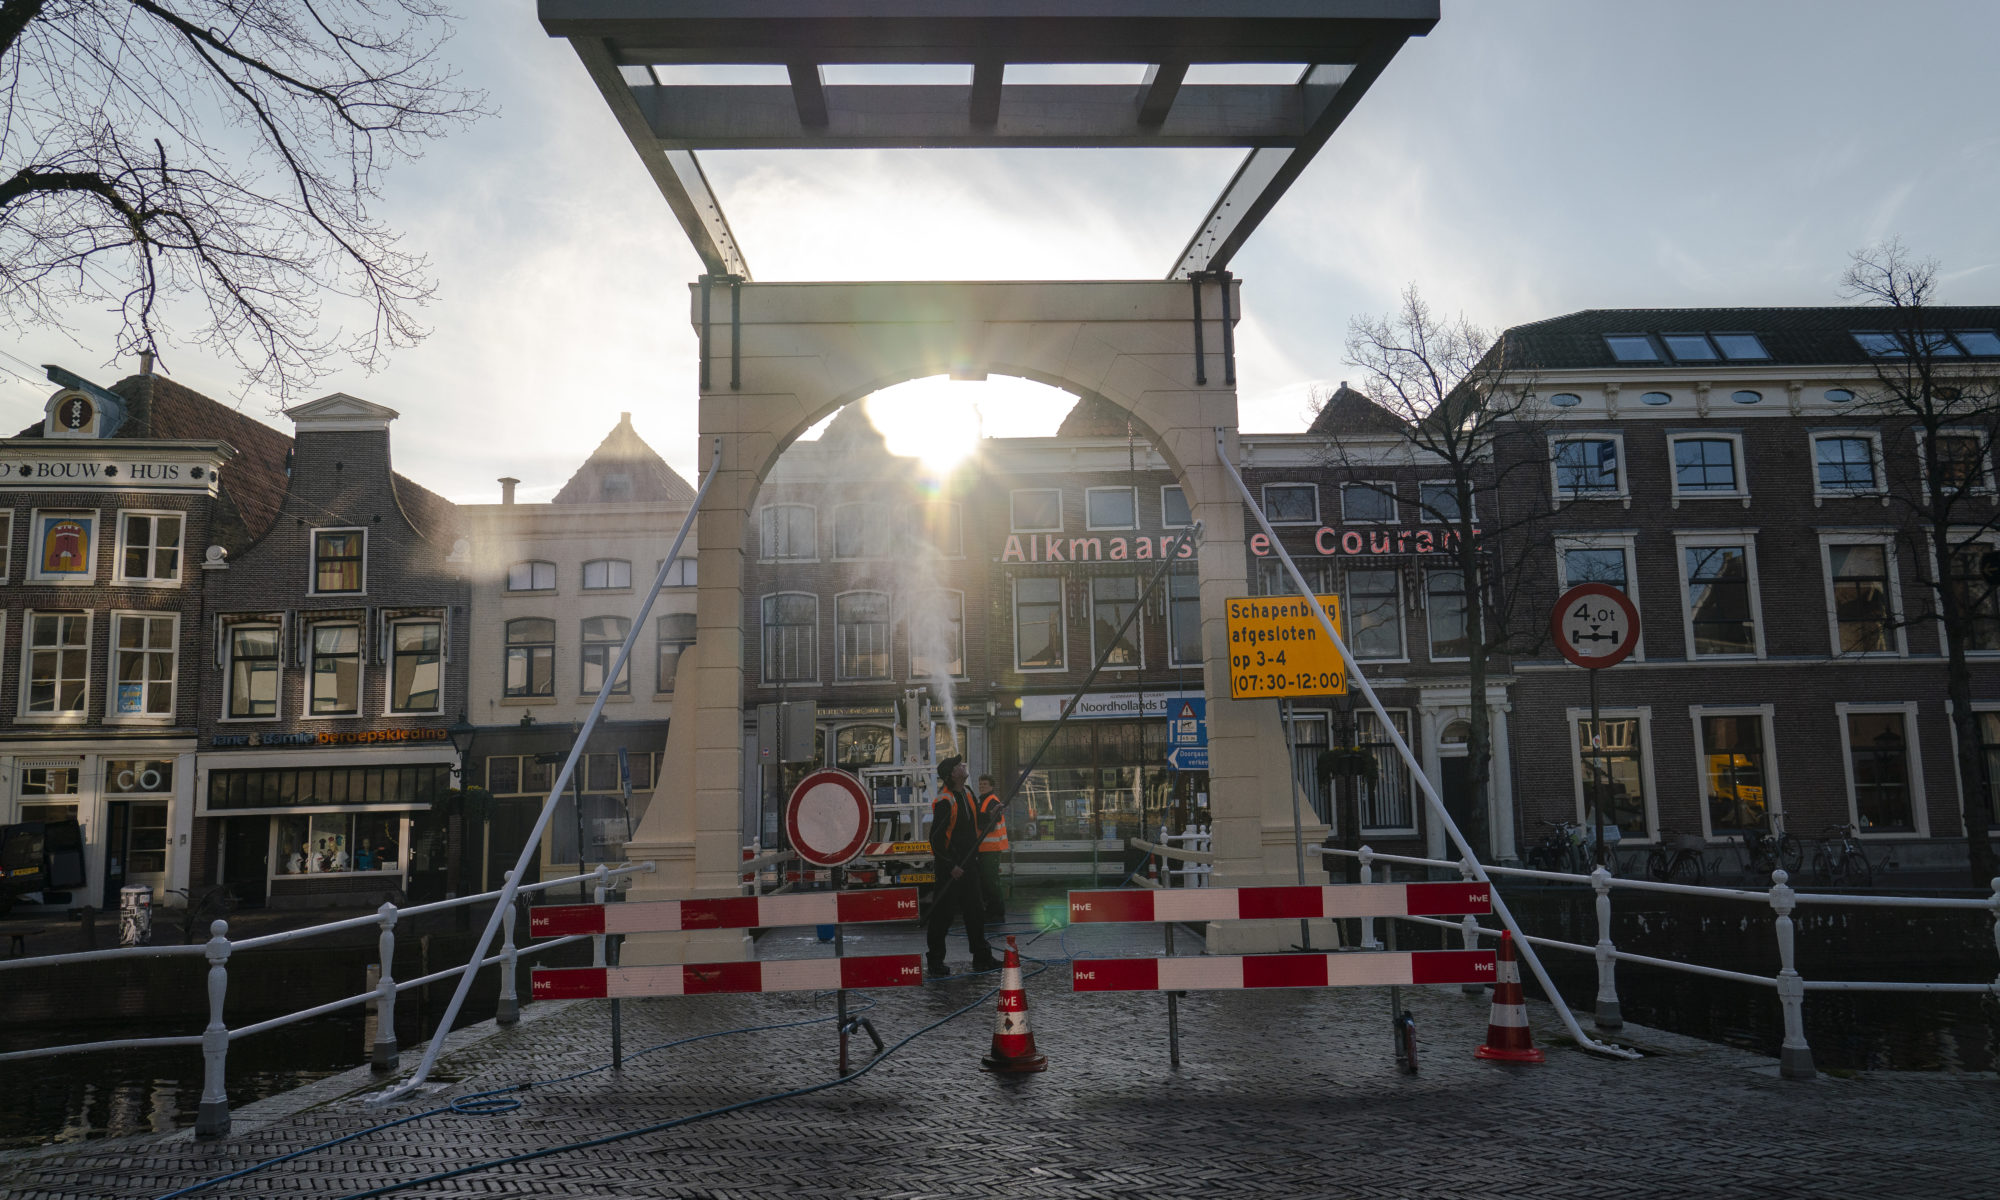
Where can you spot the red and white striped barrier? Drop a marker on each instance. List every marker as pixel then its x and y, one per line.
pixel 731 912
pixel 1205 973
pixel 703 979
pixel 1266 903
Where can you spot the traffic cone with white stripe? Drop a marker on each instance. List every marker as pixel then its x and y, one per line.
pixel 1508 1038
pixel 1153 869
pixel 1013 1050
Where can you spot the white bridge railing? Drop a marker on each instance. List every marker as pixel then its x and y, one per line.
pixel 1795 1055
pixel 212 1119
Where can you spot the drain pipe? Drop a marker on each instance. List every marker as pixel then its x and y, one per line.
pixel 506 902
pixel 1431 796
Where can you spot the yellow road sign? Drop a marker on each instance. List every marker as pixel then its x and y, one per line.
pixel 1278 648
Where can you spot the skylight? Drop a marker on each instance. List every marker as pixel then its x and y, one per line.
pixel 1982 342
pixel 1889 345
pixel 1688 347
pixel 1737 346
pixel 1631 347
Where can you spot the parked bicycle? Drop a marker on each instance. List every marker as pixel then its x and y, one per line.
pixel 204 904
pixel 1571 848
pixel 1678 860
pixel 1840 860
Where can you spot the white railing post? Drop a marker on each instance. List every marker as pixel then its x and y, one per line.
pixel 383 1056
pixel 1608 1015
pixel 1470 923
pixel 212 1118
pixel 508 1010
pixel 1368 941
pixel 1794 1056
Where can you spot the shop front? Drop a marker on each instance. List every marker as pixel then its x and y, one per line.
pixel 128 800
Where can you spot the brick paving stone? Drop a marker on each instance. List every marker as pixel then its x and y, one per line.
pixel 1284 1093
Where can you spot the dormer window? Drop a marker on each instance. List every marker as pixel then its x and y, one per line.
pixel 339 561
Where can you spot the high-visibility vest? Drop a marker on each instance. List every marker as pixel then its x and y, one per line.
pixel 996 840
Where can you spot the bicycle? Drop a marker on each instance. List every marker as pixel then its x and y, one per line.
pixel 1681 862
pixel 1840 860
pixel 1571 849
pixel 203 906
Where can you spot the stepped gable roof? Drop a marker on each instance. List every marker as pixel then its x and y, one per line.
pixel 623 470
pixel 1094 416
pixel 1348 412
pixel 1792 336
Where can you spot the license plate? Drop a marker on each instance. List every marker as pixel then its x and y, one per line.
pixel 916 877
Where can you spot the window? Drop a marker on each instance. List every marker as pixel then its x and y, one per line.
pixel 1879 774
pixel 336 670
pixel 860 531
pixel 1612 771
pixel 944 528
pixel 1184 618
pixel 531 577
pixel 1961 462
pixel 1738 347
pixel 1746 396
pixel 1656 398
pixel 1111 508
pixel 1734 769
pixel 1982 343
pixel 64 549
pixel 1036 510
pixel 1174 510
pixel 1688 347
pixel 1595 564
pixel 1367 502
pixel 1898 345
pixel 676 633
pixel 1437 502
pixel 1292 504
pixel 1844 463
pixel 1387 801
pixel 338 560
pixel 1720 606
pixel 683 573
pixel 531 658
pixel 1989 750
pixel 1863 608
pixel 789 531
pixel 864 746
pixel 606 573
pixel 1631 347
pixel 1449 625
pixel 1112 599
pixel 58 662
pixel 253 671
pixel 937 635
pixel 150 549
pixel 6 543
pixel 602 636
pixel 143 665
pixel 1587 467
pixel 1375 613
pixel 1705 466
pixel 338 843
pixel 1038 623
pixel 861 623
pixel 416 666
pixel 1978 596
pixel 791 638
pixel 49 791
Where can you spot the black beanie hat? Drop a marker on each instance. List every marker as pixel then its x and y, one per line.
pixel 947 766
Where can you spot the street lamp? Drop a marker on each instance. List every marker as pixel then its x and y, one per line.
pixel 462 734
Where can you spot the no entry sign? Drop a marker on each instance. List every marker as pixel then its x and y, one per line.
pixel 827 817
pixel 1595 625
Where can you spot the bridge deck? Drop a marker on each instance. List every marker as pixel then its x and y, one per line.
pixel 1281 1093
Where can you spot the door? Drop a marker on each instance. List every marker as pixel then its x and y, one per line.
pixel 1462 805
pixel 507 832
pixel 117 825
pixel 246 857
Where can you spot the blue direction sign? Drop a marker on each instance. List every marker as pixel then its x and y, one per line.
pixel 1188 758
pixel 1187 722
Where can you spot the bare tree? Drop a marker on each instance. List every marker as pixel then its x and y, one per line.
pixel 1925 392
pixel 218 158
pixel 1465 411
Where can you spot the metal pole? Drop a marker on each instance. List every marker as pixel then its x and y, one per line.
pixel 212 1118
pixel 1298 829
pixel 1596 765
pixel 1173 1010
pixel 1395 993
pixel 840 951
pixel 576 803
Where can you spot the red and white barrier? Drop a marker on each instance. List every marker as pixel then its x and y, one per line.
pixel 731 912
pixel 1204 973
pixel 702 979
pixel 1268 903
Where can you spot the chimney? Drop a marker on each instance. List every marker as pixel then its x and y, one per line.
pixel 624 418
pixel 507 483
pixel 145 362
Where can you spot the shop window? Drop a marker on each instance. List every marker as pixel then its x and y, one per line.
pixel 860 530
pixel 48 791
pixel 1734 771
pixel 791 638
pixel 859 746
pixel 605 574
pixel 339 844
pixel 1864 620
pixel 532 576
pixel 1368 502
pixel 676 633
pixel 1445 601
pixel 1613 773
pixel 1720 615
pixel 416 669
pixel 253 671
pixel 1878 755
pixel 339 561
pixel 150 548
pixel 861 623
pixel 145 648
pixel 1375 613
pixel 789 531
pixel 58 663
pixel 602 636
pixel 1036 510
pixel 1111 508
pixel 336 670
pixel 411 785
pixel 64 549
pixel 1184 617
pixel 1038 623
pixel 937 635
pixel 1978 596
pixel 530 667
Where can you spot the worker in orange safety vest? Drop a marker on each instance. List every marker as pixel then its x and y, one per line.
pixel 992 816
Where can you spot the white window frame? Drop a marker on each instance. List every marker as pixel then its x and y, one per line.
pixel 6 544
pixel 1348 611
pixel 1573 717
pixel 389 667
pixel 1985 486
pixel 583 647
pixel 681 645
pixel 881 511
pixel 1951 729
pixel 33 572
pixel 1062 623
pixel 1828 539
pixel 1881 467
pixel 360 628
pixel 1739 466
pixel 1381 487
pixel 1773 797
pixel 1424 516
pixel 227 653
pixel 685 572
pixel 1138 628
pixel 312 558
pixel 59 716
pixel 889 632
pixel 583 575
pixel 111 714
pixel 1624 540
pixel 1430 643
pixel 763 543
pixel 1746 539
pixel 1091 526
pixel 1013 517
pixel 764 641
pixel 118 574
pixel 506 581
pixel 1623 493
pixel 1919 806
pixel 1164 523
pixel 1961 537
pixel 1264 500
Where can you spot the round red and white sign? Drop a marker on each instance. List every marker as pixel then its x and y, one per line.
pixel 1594 625
pixel 827 817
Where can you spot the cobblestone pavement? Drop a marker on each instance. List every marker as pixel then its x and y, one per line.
pixel 1288 1093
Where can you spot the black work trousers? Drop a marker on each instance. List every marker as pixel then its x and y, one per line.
pixel 990 895
pixel 957 900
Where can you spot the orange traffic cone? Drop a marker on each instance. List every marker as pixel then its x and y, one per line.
pixel 1013 1050
pixel 1507 1035
pixel 1153 869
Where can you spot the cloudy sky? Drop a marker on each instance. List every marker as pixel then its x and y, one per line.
pixel 1528 158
